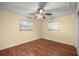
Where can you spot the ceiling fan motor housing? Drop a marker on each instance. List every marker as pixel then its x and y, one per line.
pixel 40 11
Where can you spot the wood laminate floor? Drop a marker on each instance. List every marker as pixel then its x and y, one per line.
pixel 40 47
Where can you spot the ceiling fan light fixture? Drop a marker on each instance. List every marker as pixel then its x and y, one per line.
pixel 39 17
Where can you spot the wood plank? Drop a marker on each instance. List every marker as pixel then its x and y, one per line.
pixel 40 47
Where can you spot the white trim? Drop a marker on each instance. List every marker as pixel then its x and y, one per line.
pixel 76 29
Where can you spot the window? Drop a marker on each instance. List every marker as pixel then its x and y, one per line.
pixel 53 26
pixel 25 25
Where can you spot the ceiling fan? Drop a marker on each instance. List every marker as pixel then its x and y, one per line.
pixel 47 11
pixel 41 13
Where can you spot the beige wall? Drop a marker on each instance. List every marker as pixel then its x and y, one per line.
pixel 66 32
pixel 10 34
pixel 9 30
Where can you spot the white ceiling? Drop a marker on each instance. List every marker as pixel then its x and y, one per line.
pixel 25 8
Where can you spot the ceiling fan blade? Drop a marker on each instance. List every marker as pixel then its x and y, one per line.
pixel 48 13
pixel 42 4
pixel 58 12
pixel 78 12
pixel 44 17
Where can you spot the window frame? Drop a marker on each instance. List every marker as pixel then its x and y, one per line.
pixel 53 25
pixel 26 27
